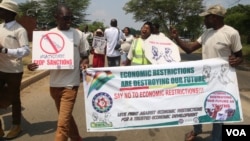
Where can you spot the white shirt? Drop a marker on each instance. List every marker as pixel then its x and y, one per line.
pixel 127 43
pixel 15 38
pixel 70 77
pixel 88 35
pixel 112 38
pixel 220 43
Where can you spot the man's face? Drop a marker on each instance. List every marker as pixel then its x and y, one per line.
pixel 145 31
pixel 3 13
pixel 64 19
pixel 209 21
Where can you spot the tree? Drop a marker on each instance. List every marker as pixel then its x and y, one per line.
pixel 167 13
pixel 93 26
pixel 44 10
pixel 239 18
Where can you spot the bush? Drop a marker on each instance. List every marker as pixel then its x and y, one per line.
pixel 246 51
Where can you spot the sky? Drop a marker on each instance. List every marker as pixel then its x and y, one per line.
pixel 105 10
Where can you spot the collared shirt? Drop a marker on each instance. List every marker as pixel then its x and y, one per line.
pixel 14 37
pixel 17 52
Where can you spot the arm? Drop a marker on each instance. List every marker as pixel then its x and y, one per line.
pixel 187 47
pixel 130 55
pixel 84 63
pixel 22 49
pixel 84 53
pixel 18 52
pixel 123 37
pixel 236 59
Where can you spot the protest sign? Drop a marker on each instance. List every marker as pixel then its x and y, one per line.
pixel 52 50
pixel 161 50
pixel 157 96
pixel 99 44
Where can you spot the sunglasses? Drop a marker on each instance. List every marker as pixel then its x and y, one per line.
pixel 67 18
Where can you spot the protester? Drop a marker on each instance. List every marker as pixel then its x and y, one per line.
pixel 156 30
pixel 136 53
pixel 98 49
pixel 88 35
pixel 219 40
pixel 125 46
pixel 64 84
pixel 113 36
pixel 14 45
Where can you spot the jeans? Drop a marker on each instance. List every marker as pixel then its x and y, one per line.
pixel 216 131
pixel 12 82
pixel 114 61
pixel 64 100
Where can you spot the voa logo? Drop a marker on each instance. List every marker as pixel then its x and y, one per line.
pixel 236 132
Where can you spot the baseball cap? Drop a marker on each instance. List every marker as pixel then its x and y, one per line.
pixel 215 10
pixel 9 5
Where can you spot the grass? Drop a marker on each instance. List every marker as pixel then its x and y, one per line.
pixel 246 51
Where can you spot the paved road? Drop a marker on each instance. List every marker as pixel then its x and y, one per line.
pixel 39 117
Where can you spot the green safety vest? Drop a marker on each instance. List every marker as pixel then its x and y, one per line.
pixel 138 53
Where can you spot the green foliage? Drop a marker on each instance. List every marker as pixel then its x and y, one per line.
pixel 44 10
pixel 92 26
pixel 246 51
pixel 239 18
pixel 167 13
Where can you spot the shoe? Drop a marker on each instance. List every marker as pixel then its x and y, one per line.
pixel 1 130
pixel 14 132
pixel 190 136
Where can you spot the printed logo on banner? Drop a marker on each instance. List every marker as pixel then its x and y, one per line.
pixel 100 78
pixel 235 132
pixel 102 103
pixel 221 106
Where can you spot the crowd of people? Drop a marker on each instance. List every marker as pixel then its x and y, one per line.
pixel 113 36
pixel 118 47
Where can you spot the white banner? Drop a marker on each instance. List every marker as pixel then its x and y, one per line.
pixel 52 50
pixel 157 96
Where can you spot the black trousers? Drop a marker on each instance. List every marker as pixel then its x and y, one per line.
pixel 10 85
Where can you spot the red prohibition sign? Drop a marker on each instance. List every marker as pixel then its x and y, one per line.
pixel 48 44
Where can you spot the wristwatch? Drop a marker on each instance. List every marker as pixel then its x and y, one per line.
pixel 4 50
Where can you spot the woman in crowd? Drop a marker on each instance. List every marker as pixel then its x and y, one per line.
pixel 125 46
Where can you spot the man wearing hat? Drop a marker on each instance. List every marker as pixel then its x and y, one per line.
pixel 219 40
pixel 14 45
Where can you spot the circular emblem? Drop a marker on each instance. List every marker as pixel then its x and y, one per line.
pixel 220 105
pixel 102 102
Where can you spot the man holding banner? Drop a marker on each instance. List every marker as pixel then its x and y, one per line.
pixel 64 82
pixel 218 41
